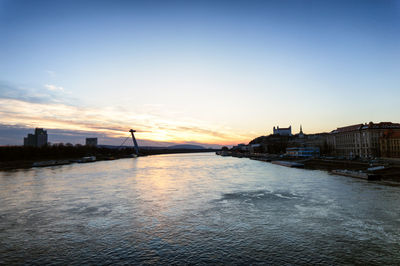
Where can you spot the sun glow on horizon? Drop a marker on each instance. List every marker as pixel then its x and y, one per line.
pixel 110 122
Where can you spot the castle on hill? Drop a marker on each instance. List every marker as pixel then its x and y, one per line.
pixel 287 131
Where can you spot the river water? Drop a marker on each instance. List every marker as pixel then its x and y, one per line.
pixel 195 209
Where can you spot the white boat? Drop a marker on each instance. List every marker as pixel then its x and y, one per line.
pixel 87 159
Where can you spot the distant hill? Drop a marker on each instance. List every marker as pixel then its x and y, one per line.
pixel 186 146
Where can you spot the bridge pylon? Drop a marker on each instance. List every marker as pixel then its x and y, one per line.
pixel 134 141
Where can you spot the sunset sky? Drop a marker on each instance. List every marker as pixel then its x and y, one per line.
pixel 209 72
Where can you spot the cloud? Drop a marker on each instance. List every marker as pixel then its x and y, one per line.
pixel 110 122
pixel 50 108
pixel 52 94
pixel 53 88
pixel 204 131
pixel 13 135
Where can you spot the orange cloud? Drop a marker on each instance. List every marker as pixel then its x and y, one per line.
pixel 113 122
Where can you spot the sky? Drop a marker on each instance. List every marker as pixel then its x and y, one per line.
pixel 208 72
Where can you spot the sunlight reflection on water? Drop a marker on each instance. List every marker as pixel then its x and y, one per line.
pixel 194 208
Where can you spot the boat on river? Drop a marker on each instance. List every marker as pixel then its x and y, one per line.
pixel 222 153
pixel 289 164
pixel 357 174
pixel 50 163
pixel 87 159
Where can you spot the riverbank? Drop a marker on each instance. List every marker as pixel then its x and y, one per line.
pixel 41 157
pixel 385 169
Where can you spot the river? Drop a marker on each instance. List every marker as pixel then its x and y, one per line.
pixel 195 209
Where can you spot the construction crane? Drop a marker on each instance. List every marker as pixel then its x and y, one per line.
pixel 134 141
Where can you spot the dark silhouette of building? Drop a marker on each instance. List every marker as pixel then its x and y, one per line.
pixel 38 139
pixel 91 142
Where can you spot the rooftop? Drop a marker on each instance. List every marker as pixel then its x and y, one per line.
pixel 392 134
pixel 370 125
pixel 348 128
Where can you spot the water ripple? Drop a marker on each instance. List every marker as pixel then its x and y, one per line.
pixel 194 209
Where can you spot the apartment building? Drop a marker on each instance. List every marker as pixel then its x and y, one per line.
pixel 361 140
pixel 390 144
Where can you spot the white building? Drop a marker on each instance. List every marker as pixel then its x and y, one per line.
pixel 283 131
